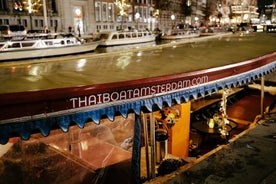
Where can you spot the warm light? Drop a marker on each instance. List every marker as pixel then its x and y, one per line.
pixel 77 12
pixel 137 16
pixel 122 7
pixel 173 17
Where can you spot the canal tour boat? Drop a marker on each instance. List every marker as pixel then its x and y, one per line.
pixel 180 34
pixel 43 45
pixel 125 37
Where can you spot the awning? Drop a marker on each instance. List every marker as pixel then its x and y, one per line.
pixel 22 115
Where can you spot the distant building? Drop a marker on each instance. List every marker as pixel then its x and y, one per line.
pixel 87 16
pixel 268 15
pixel 244 11
pixel 90 16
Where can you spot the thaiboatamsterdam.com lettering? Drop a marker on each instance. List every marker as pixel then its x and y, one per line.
pixel 101 98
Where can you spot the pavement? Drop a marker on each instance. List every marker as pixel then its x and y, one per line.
pixel 249 157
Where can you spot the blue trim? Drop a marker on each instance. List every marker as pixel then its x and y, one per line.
pixel 25 129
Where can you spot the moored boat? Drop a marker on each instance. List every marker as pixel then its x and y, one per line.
pixel 212 31
pixel 180 34
pixel 125 37
pixel 45 45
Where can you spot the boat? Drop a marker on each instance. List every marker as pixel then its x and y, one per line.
pixel 180 34
pixel 120 48
pixel 43 45
pixel 114 38
pixel 211 31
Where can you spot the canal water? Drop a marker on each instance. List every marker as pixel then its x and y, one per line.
pixel 126 63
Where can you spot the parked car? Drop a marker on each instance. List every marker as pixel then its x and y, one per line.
pixel 12 31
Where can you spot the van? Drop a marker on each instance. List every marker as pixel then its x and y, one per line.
pixel 12 31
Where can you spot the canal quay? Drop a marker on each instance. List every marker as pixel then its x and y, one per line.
pixel 190 111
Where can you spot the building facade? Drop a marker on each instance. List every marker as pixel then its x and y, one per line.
pixel 84 16
pixel 91 16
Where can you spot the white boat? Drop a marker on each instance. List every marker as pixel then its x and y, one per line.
pixel 125 37
pixel 43 45
pixel 180 34
pixel 211 31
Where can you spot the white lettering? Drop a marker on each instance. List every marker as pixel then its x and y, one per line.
pixel 136 93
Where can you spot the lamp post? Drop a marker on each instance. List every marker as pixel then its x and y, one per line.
pixel 45 16
pixel 173 18
pixel 196 21
pixel 78 13
pixel 30 11
pixel 18 7
pixel 137 17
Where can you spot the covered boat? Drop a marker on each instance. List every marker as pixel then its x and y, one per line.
pixel 180 34
pixel 125 37
pixel 43 45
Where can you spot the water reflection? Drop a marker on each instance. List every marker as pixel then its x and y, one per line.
pixel 81 64
pixel 95 68
pixel 124 60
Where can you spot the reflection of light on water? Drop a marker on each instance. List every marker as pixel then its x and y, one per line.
pixel 34 73
pixel 13 69
pixel 174 46
pixel 34 70
pixel 139 54
pixel 123 61
pixel 80 64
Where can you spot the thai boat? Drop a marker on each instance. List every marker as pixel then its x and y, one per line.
pixel 180 34
pixel 43 45
pixel 125 37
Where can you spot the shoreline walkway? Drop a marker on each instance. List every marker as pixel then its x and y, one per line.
pixel 248 158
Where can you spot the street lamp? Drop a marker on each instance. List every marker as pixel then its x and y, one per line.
pixel 18 7
pixel 137 16
pixel 196 21
pixel 173 18
pixel 78 13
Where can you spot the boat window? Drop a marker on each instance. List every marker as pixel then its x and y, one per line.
pixel 15 28
pixel 15 45
pixel 49 43
pixel 139 34
pixel 128 35
pixel 27 44
pixel 134 35
pixel 121 36
pixel 114 37
pixel 4 28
